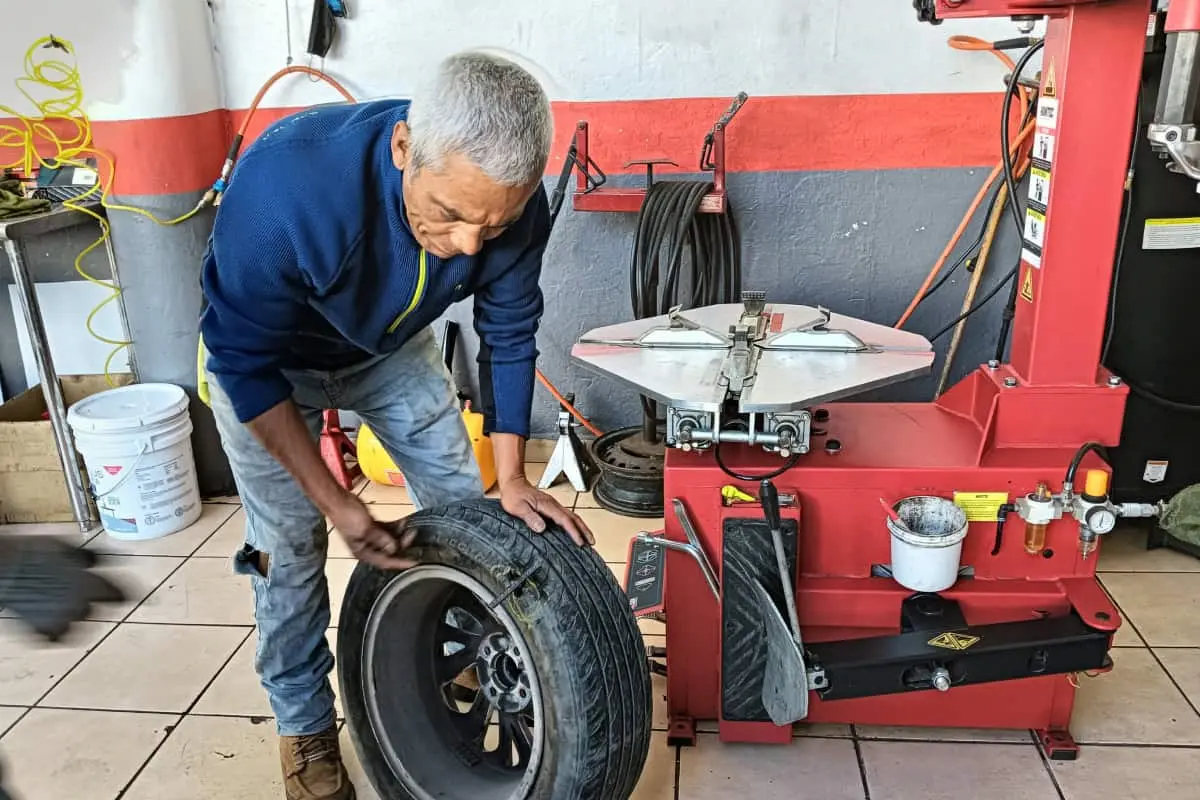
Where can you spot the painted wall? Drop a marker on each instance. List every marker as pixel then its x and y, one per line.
pixel 859 149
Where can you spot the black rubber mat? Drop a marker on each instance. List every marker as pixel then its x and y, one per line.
pixel 748 556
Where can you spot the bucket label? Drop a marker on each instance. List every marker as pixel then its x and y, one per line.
pixel 113 470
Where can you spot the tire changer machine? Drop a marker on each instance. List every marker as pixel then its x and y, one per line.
pixel 766 476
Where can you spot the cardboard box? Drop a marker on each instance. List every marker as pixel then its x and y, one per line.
pixel 32 485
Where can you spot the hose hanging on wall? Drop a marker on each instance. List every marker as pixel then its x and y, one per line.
pixel 681 257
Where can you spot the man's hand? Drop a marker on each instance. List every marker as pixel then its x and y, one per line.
pixel 534 507
pixel 370 540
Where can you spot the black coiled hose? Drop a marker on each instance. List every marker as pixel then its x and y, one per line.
pixel 670 227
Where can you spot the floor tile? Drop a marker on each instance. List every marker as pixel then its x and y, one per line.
pixel 204 591
pixel 824 768
pixel 54 754
pixel 1124 550
pixel 538 451
pixel 67 531
pixel 1183 665
pixel 586 500
pixel 237 692
pixel 614 532
pixel 30 667
pixel 1135 703
pixel 161 668
pixel 378 493
pixel 183 543
pixel 8 716
pixel 228 539
pixel 652 627
pixel 658 776
pixel 138 576
pixel 213 757
pixel 1164 607
pixel 942 734
pixel 946 771
pixel 1129 773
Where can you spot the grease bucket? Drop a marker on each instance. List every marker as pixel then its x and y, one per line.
pixel 927 550
pixel 137 449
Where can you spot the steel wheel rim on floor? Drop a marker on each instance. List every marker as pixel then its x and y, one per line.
pixel 433 728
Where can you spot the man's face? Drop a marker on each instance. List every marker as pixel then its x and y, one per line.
pixel 453 210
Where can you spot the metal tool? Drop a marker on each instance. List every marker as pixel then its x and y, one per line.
pixel 785 680
pixel 692 548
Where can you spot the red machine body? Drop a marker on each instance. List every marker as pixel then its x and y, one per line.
pixel 1001 430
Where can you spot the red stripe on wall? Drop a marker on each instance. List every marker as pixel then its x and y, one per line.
pixel 838 132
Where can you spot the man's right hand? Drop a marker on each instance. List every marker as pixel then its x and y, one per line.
pixel 370 540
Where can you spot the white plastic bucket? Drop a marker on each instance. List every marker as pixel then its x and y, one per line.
pixel 926 556
pixel 136 446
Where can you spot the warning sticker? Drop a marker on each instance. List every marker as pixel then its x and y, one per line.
pixel 1182 233
pixel 1050 85
pixel 953 641
pixel 1047 112
pixel 981 506
pixel 1031 255
pixel 1027 286
pixel 1035 227
pixel 1043 148
pixel 1039 187
pixel 1156 471
pixel 1152 26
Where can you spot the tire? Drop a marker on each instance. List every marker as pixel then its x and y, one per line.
pixel 559 669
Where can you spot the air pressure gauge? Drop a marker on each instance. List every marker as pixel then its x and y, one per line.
pixel 1101 520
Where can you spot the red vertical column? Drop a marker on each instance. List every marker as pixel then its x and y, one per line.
pixel 1091 72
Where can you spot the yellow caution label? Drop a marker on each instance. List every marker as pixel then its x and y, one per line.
pixel 1050 85
pixel 981 506
pixel 953 641
pixel 1158 223
pixel 1027 286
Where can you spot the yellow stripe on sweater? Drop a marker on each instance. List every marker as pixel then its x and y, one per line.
pixel 416 295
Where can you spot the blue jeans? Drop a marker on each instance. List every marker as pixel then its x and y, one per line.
pixel 408 399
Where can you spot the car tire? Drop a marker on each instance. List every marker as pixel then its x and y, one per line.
pixel 560 664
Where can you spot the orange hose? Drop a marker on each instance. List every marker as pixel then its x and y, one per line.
pixel 962 226
pixel 245 126
pixel 295 68
pixel 1017 152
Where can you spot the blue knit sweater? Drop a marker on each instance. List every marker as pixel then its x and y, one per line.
pixel 312 260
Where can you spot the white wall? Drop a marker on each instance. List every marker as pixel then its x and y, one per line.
pixel 151 58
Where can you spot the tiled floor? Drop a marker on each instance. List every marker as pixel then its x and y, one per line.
pixel 158 698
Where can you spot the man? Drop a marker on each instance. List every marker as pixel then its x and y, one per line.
pixel 345 232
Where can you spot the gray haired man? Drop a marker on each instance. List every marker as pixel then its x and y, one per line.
pixel 344 233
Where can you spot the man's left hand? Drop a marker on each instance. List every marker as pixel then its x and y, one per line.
pixel 533 506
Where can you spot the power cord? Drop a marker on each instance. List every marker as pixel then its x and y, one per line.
pixel 1010 92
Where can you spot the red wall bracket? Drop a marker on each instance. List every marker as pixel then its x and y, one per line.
pixel 592 195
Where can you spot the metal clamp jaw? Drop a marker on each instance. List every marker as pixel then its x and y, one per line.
pixel 1179 143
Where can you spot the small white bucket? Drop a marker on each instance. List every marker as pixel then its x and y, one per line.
pixel 137 448
pixel 925 558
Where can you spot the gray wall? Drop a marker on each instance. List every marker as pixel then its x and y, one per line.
pixel 859 243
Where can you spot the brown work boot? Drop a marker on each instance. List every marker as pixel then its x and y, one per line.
pixel 313 768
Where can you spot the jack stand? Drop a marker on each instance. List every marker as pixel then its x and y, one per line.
pixel 569 456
